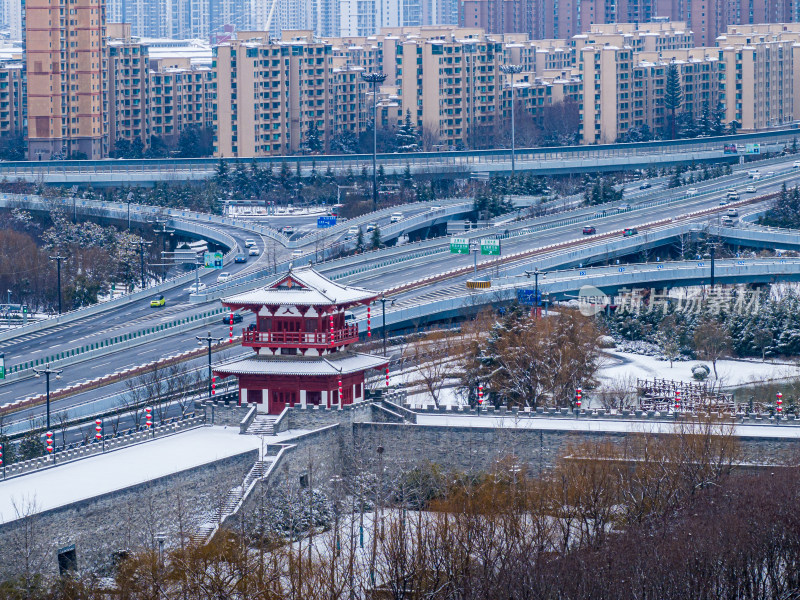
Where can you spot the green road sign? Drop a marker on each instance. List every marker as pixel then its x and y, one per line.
pixel 213 260
pixel 2 366
pixel 490 247
pixel 459 246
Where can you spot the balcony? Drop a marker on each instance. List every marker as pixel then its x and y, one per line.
pixel 300 339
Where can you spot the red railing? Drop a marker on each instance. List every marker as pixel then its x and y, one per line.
pixel 300 339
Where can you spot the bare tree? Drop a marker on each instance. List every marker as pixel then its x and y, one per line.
pixel 712 341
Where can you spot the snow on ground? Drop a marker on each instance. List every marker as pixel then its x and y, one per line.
pixel 594 424
pixel 51 488
pixel 623 365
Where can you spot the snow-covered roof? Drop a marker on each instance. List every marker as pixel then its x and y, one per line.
pixel 302 286
pixel 336 364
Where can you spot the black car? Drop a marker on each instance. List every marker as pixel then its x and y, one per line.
pixel 645 186
pixel 240 258
pixel 237 318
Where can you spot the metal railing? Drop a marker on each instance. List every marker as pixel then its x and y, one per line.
pixel 316 339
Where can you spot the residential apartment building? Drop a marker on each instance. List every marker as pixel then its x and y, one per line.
pixel 66 73
pixel 11 17
pixel 11 97
pixel 268 93
pixel 157 87
pixel 450 83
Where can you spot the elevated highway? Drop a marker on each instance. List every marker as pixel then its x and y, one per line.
pixel 538 161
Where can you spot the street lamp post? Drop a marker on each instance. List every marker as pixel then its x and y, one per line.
pixel 512 70
pixel 208 339
pixel 383 301
pixel 58 258
pixel 141 246
pixel 536 272
pixel 130 197
pixel 47 371
pixel 164 230
pixel 9 296
pixel 374 79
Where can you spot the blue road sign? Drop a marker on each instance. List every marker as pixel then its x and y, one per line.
pixel 528 297
pixel 581 273
pixel 325 222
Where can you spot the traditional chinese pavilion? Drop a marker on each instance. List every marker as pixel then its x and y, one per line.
pixel 300 344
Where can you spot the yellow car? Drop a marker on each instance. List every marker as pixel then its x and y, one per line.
pixel 157 301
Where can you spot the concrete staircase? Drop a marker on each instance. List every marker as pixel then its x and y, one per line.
pixel 262 425
pixel 230 504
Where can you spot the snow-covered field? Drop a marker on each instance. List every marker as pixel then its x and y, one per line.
pixel 51 488
pixel 623 365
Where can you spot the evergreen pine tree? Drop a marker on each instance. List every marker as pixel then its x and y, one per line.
pixel 673 95
pixel 313 140
pixel 375 240
pixel 406 138
pixel 360 240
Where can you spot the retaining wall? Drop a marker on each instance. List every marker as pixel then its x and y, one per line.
pixel 126 519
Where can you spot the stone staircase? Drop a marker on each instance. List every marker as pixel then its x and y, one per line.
pixel 231 502
pixel 262 425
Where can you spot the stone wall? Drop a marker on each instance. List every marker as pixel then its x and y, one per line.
pixel 228 415
pixel 127 519
pixel 478 448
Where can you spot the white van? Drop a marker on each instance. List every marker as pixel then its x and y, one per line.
pixel 732 212
pixel 396 217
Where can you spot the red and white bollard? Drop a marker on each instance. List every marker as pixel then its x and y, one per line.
pixel 369 322
pixel 49 435
pixel 779 403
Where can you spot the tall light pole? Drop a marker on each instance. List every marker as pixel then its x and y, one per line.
pixel 141 246
pixel 374 79
pixel 536 272
pixel 130 197
pixel 383 301
pixel 164 230
pixel 209 339
pixel 58 258
pixel 512 70
pixel 47 371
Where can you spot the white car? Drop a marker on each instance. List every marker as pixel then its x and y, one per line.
pixel 691 192
pixel 196 287
pixel 396 217
pixel 223 277
pixel 297 253
pixel 248 243
pixel 352 230
pixel 288 230
pixel 751 189
pixel 796 164
pixel 253 251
